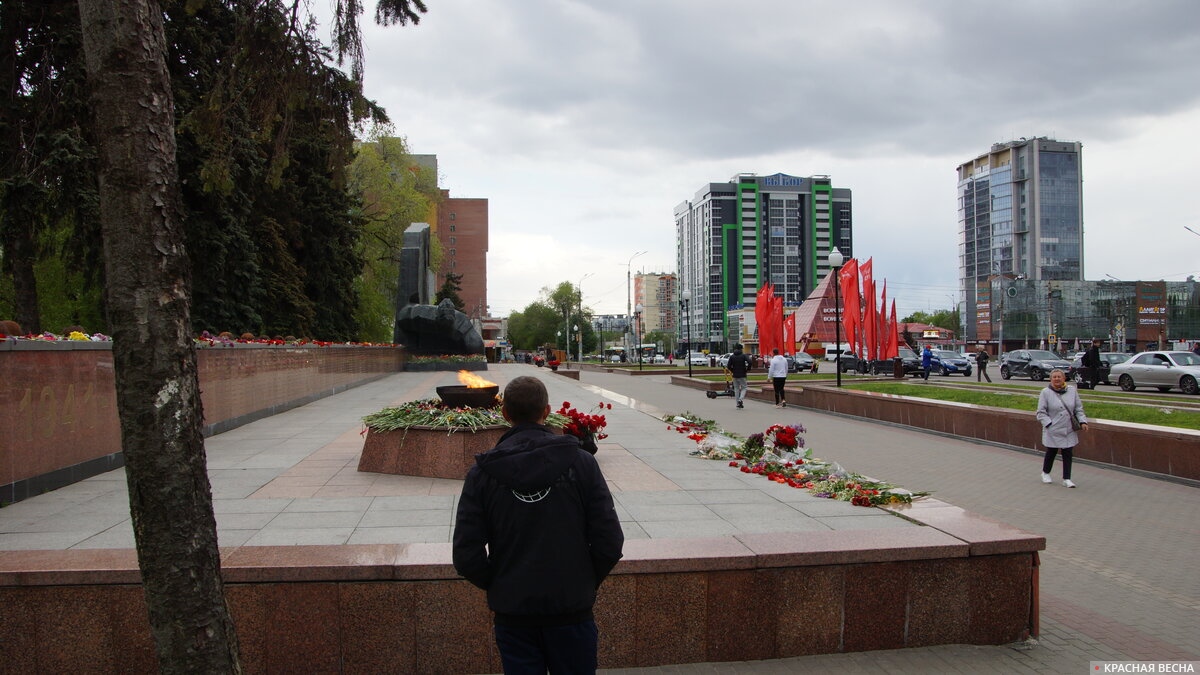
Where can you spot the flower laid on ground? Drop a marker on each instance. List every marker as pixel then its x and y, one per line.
pixel 690 426
pixel 773 454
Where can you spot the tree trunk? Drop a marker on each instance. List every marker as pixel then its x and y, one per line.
pixel 148 294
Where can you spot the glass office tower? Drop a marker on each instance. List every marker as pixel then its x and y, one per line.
pixel 1020 216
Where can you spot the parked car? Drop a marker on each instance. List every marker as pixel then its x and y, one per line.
pixel 801 362
pixel 1164 370
pixel 947 362
pixel 659 358
pixel 1035 364
pixel 971 356
pixel 723 360
pixel 1107 361
pixel 698 359
pixel 848 361
pixel 910 361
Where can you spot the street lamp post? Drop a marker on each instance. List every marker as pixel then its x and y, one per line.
pixel 578 336
pixel 835 261
pixel 687 319
pixel 639 334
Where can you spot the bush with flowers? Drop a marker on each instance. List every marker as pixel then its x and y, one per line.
pixel 776 455
pixel 433 413
pixel 587 427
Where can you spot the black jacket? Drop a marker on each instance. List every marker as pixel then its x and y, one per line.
pixel 738 364
pixel 540 505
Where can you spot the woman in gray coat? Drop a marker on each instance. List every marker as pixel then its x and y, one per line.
pixel 1056 405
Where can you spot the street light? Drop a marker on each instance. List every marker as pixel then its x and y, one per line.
pixel 687 318
pixel 835 261
pixel 578 336
pixel 639 334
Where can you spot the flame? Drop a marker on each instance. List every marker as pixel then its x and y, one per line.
pixel 473 381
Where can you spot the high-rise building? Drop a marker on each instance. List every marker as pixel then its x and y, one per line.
pixel 735 236
pixel 657 293
pixel 1020 216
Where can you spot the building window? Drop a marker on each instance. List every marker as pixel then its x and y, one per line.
pixel 451 215
pixel 453 252
pixel 451 228
pixel 452 240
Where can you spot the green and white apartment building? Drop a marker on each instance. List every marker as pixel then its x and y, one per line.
pixel 735 236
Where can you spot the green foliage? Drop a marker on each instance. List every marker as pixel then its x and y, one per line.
pixel 393 191
pixel 265 135
pixel 660 337
pixel 449 291
pixel 1026 399
pixel 534 326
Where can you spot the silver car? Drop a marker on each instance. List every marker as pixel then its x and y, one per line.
pixel 1165 370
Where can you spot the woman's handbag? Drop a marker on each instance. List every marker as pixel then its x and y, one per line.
pixel 1075 425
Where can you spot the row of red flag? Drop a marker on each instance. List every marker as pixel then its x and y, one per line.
pixel 866 327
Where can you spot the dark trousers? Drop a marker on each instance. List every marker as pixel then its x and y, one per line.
pixel 1048 462
pixel 557 649
pixel 778 383
pixel 926 369
pixel 983 374
pixel 1093 375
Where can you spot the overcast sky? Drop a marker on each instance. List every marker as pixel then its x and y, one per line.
pixel 585 123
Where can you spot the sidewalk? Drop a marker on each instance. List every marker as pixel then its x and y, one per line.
pixel 1118 578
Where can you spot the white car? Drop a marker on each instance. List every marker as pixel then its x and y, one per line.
pixel 698 359
pixel 659 358
pixel 1164 370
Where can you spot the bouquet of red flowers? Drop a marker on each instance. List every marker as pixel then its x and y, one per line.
pixel 587 427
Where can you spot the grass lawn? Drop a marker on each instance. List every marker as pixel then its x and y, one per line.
pixel 1026 399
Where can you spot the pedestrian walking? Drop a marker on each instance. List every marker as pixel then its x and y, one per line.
pixel 738 366
pixel 982 361
pixel 1060 412
pixel 926 362
pixel 536 529
pixel 1091 364
pixel 777 370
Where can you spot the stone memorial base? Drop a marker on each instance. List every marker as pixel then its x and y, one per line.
pixel 430 452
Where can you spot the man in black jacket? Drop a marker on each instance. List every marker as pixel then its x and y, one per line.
pixel 536 529
pixel 1091 364
pixel 738 365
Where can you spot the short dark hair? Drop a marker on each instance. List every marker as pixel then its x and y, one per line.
pixel 525 399
pixel 775 351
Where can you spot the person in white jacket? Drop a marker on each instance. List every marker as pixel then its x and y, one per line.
pixel 1058 407
pixel 777 370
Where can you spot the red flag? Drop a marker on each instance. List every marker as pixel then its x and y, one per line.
pixel 777 320
pixel 883 323
pixel 893 335
pixel 762 310
pixel 850 302
pixel 870 339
